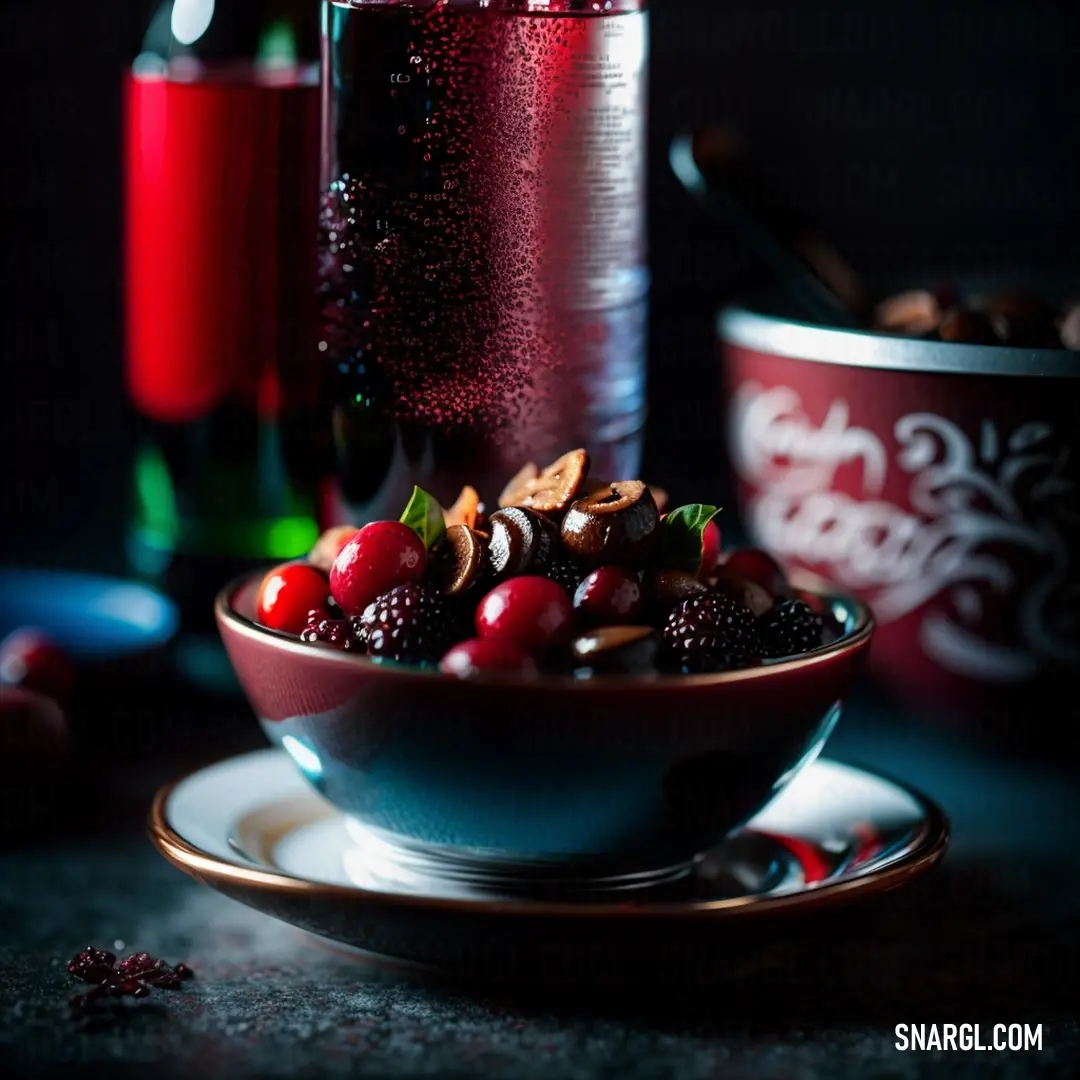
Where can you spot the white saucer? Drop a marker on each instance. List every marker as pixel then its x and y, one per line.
pixel 251 827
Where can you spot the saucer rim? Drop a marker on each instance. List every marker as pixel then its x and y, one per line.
pixel 927 851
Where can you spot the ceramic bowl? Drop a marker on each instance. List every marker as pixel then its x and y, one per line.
pixel 609 780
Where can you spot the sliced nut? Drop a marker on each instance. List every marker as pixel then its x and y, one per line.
pixel 617 525
pixel 617 650
pixel 551 491
pixel 916 313
pixel 518 488
pixel 465 510
pixel 460 560
pixel 522 542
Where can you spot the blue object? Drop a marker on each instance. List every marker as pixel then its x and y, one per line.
pixel 90 617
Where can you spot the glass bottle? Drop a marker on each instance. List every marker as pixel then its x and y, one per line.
pixel 221 203
pixel 484 282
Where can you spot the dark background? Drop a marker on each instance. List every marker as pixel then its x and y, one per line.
pixel 927 134
pixel 921 134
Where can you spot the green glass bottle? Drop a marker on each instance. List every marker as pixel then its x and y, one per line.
pixel 221 208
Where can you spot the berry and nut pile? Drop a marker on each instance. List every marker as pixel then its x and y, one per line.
pixel 570 575
pixel 1015 317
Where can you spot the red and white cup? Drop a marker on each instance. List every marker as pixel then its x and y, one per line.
pixel 937 481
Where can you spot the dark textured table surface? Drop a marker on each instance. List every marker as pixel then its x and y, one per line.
pixel 990 937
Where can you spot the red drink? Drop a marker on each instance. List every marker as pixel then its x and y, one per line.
pixel 221 182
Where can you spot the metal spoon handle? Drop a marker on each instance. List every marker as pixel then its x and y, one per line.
pixel 713 169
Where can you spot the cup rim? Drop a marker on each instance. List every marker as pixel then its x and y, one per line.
pixel 854 641
pixel 744 326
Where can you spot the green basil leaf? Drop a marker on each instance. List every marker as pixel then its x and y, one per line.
pixel 425 516
pixel 681 536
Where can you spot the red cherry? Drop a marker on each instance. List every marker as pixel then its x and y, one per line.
pixel 486 654
pixel 288 594
pixel 761 568
pixel 533 612
pixel 711 556
pixel 378 558
pixel 609 596
pixel 31 659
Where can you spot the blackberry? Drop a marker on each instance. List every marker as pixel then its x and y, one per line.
pixel 410 625
pixel 788 629
pixel 708 632
pixel 346 634
pixel 567 573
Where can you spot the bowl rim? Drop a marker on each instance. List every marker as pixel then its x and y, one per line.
pixel 743 326
pixel 854 641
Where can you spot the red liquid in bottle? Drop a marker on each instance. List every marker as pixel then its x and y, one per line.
pixel 221 201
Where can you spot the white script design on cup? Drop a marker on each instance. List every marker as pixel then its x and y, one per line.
pixel 967 506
